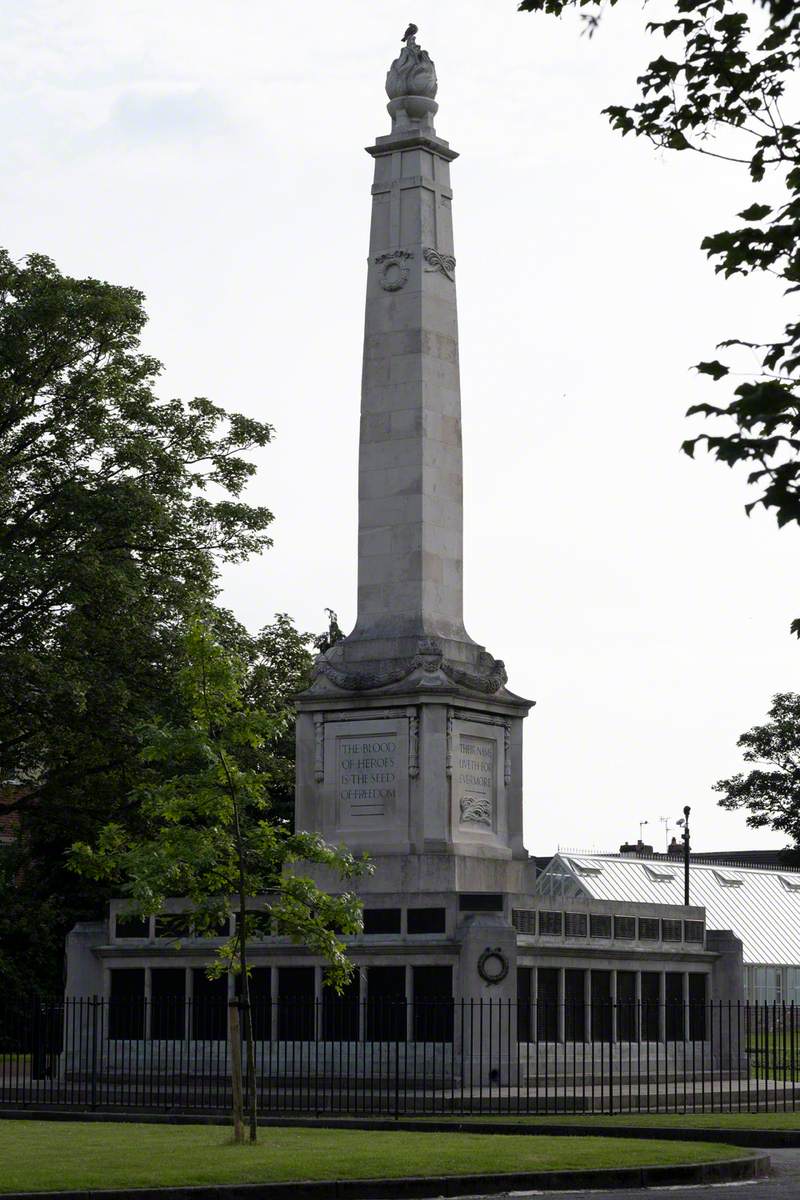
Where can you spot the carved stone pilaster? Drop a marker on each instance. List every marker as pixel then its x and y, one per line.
pixel 319 747
pixel 413 743
pixel 507 752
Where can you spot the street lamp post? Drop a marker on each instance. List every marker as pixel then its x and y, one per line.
pixel 685 823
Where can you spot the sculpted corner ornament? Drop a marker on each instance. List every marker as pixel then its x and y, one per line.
pixel 488 678
pixel 393 274
pixel 440 262
pixel 493 965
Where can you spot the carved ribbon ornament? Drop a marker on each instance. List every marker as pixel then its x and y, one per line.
pixel 440 262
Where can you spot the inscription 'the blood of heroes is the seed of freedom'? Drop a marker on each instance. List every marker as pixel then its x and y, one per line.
pixel 366 775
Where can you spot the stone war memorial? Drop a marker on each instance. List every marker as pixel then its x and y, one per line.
pixel 409 747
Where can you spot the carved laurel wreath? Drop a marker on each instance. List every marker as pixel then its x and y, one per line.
pixel 493 965
pixel 393 274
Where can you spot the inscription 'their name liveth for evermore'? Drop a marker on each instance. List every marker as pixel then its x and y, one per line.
pixel 366 775
pixel 476 779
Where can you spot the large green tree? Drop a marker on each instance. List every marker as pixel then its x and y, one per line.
pixel 116 508
pixel 206 831
pixel 770 791
pixel 725 87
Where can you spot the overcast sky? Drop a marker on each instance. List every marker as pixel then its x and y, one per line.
pixel 211 154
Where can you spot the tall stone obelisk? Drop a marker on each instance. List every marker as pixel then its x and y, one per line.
pixel 408 742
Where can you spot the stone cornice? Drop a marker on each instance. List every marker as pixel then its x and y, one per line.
pixel 413 141
pixel 509 705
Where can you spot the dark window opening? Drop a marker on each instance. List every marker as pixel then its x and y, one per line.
pixel 576 924
pixel 126 1003
pixel 601 1006
pixel 296 1004
pixel 693 931
pixel 626 1007
pixel 209 1007
pixel 673 997
pixel 480 902
pixel 425 920
pixel 219 928
pixel 386 1004
pixel 433 1004
pixel 697 1007
pixel 672 931
pixel 381 920
pixel 524 1012
pixel 340 1013
pixel 651 1002
pixel 524 920
pixel 547 1004
pixel 259 925
pixel 168 1004
pixel 260 1001
pixel 600 926
pixel 624 927
pixel 551 924
pixel 574 1006
pixel 132 927
pixel 174 926
pixel 649 929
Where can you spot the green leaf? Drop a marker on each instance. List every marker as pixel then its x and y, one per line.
pixel 756 212
pixel 715 369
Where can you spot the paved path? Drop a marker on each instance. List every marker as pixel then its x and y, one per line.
pixel 784 1185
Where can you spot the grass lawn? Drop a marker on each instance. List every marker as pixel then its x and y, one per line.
pixel 42 1155
pixel 737 1120
pixel 708 1120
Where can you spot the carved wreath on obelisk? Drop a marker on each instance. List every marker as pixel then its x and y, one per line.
pixel 393 273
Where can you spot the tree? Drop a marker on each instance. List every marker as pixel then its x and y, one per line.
pixel 770 792
pixel 278 663
pixel 206 832
pixel 723 93
pixel 116 508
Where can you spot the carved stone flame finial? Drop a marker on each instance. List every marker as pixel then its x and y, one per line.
pixel 412 73
pixel 411 86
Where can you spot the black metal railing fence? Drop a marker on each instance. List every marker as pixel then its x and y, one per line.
pixel 393 1057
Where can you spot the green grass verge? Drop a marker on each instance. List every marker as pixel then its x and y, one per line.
pixel 738 1120
pixel 743 1120
pixel 43 1155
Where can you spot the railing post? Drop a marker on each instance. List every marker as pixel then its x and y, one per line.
pixel 396 1078
pixel 93 1052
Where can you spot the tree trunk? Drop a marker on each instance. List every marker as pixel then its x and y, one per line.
pixel 252 1095
pixel 235 1036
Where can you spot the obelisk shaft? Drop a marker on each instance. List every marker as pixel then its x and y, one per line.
pixel 410 556
pixel 409 744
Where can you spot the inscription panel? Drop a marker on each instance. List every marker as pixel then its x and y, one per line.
pixel 476 781
pixel 366 776
pixel 365 790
